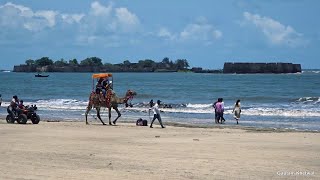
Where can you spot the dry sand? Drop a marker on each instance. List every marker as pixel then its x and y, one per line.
pixel 73 150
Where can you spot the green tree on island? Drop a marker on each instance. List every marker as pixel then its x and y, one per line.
pixel 92 61
pixel 73 62
pixel 44 61
pixel 146 65
pixel 30 62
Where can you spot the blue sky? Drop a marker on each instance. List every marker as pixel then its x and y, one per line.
pixel 205 32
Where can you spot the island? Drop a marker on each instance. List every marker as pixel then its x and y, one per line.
pixel 253 68
pixel 94 64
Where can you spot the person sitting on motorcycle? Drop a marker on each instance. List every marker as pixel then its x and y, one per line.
pixel 21 106
pixel 12 108
pixel 14 102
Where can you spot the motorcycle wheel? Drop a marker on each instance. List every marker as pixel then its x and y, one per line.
pixel 9 119
pixel 35 119
pixel 22 119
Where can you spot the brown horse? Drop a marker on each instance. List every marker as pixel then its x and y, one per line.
pixel 111 101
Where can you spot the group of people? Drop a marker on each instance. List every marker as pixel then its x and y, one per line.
pixel 218 107
pixel 16 105
pixel 103 85
pixel 219 111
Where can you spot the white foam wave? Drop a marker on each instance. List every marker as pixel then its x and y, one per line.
pixel 308 98
pixel 282 112
pixel 199 105
pixel 61 104
pixel 285 111
pixel 311 71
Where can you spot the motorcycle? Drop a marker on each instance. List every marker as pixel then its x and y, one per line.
pixel 22 115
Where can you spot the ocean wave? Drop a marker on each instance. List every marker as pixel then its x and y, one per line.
pixel 61 104
pixel 316 72
pixel 288 110
pixel 311 71
pixel 314 100
pixel 198 105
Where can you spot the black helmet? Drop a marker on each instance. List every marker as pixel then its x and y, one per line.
pixel 15 96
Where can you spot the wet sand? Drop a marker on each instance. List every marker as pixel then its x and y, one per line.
pixel 73 150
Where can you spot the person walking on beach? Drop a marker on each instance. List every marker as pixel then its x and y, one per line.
pixel 156 114
pixel 0 100
pixel 237 110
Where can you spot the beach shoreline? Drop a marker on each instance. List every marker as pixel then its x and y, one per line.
pixel 73 150
pixel 205 126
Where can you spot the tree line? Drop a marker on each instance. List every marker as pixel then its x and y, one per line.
pixel 165 64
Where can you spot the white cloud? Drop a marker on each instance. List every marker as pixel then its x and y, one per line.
pixel 217 34
pixel 99 10
pixel 165 33
pixel 50 16
pixel 18 16
pixel 25 11
pixel 72 18
pixel 107 24
pixel 276 32
pixel 201 30
pixel 126 19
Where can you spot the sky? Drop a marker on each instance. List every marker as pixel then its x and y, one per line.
pixel 206 33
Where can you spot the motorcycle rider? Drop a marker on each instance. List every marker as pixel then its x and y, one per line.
pixel 12 108
pixel 21 105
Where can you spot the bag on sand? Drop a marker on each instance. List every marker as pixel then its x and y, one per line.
pixel 142 122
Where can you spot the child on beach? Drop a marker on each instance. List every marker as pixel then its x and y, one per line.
pixel 237 110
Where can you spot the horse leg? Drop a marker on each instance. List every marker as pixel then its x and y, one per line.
pixel 109 111
pixel 98 115
pixel 119 115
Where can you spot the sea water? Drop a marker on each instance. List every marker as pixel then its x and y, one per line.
pixel 286 101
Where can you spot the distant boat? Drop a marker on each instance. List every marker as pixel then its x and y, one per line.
pixel 40 75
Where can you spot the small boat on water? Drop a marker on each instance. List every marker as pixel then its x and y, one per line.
pixel 40 75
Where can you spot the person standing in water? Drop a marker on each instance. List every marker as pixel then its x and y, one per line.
pixel 215 111
pixel 237 110
pixel 220 110
pixel 156 114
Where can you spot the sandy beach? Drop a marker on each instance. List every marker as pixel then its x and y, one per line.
pixel 73 150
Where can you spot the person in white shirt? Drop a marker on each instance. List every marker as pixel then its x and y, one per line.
pixel 237 110
pixel 156 114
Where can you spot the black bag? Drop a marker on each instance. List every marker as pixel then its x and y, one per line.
pixel 141 122
pixel 144 123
